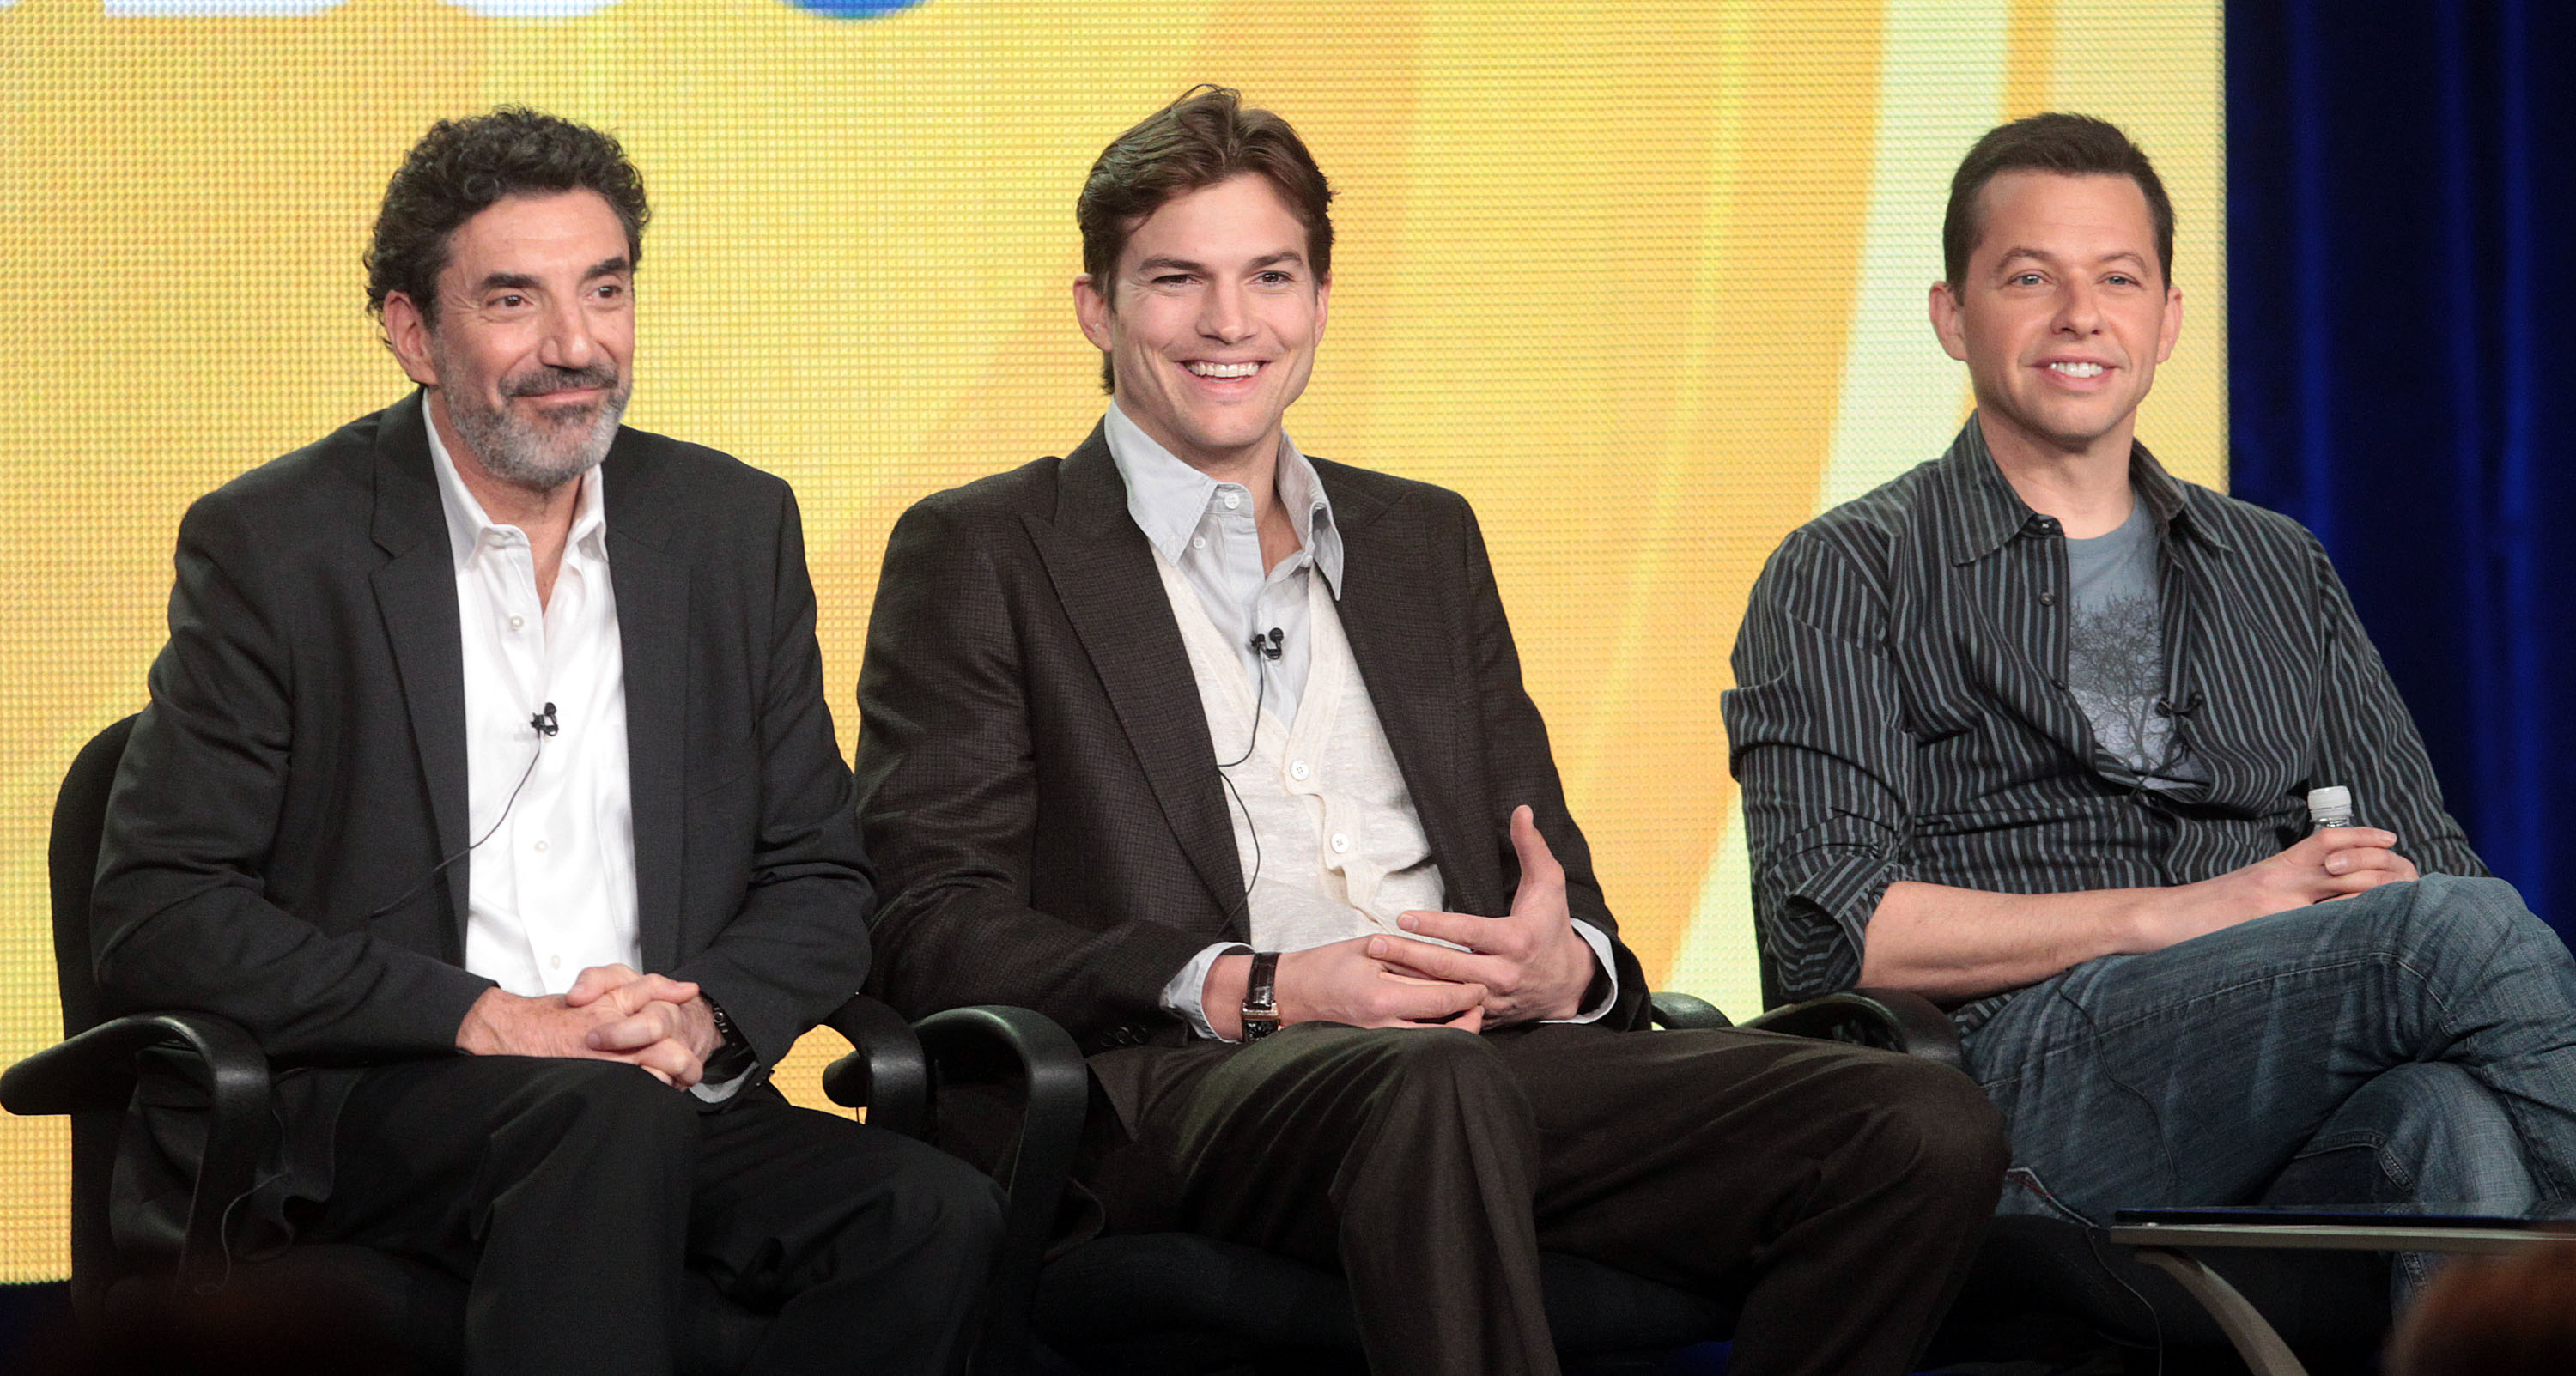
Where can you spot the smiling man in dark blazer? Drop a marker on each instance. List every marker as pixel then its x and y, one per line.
pixel 1218 754
pixel 470 711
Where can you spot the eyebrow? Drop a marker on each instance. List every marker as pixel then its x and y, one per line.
pixel 1168 263
pixel 2041 255
pixel 520 281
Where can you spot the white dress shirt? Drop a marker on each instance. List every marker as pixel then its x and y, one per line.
pixel 552 880
pixel 1342 851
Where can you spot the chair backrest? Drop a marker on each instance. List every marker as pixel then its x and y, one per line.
pixel 80 813
pixel 71 860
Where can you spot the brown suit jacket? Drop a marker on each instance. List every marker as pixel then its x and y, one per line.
pixel 1037 785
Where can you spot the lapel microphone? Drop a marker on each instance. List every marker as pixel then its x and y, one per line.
pixel 543 723
pixel 2167 707
pixel 1266 646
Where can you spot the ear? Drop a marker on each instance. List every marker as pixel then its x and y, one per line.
pixel 1323 299
pixel 1092 309
pixel 2172 329
pixel 1945 322
pixel 407 334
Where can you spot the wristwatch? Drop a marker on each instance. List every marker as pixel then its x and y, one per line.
pixel 1261 997
pixel 732 1058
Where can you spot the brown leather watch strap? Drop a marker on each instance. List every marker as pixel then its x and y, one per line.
pixel 1261 996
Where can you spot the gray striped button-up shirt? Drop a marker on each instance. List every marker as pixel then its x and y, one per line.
pixel 1901 711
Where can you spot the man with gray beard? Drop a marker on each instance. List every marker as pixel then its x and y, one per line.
pixel 470 712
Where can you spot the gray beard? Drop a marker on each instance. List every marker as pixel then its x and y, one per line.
pixel 542 455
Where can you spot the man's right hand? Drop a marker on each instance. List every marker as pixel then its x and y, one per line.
pixel 2336 862
pixel 1341 982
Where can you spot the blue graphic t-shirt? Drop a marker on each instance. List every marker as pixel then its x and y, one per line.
pixel 2115 658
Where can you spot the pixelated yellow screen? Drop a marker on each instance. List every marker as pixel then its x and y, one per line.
pixel 1644 280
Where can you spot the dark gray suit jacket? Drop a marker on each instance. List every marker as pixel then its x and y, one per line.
pixel 302 764
pixel 1035 774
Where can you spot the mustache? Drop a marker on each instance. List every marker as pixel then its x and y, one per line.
pixel 546 380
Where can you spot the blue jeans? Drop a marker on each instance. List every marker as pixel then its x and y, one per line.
pixel 2414 1043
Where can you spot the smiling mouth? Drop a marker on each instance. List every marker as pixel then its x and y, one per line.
pixel 2076 369
pixel 1222 370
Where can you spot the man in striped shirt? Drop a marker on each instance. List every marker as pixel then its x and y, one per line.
pixel 2029 730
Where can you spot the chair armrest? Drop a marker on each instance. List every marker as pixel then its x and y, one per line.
pixel 992 1044
pixel 885 1070
pixel 1890 1019
pixel 892 1070
pixel 96 1070
pixel 1684 1012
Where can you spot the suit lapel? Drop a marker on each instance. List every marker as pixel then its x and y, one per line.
pixel 1103 573
pixel 1417 683
pixel 653 636
pixel 416 595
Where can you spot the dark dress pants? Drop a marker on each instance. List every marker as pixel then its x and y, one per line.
pixel 569 1194
pixel 1839 1191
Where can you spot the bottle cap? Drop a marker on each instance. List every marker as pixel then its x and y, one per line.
pixel 2335 801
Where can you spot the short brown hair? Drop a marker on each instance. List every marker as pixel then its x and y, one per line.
pixel 2069 145
pixel 1199 140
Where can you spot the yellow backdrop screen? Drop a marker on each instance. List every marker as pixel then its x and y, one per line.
pixel 1644 280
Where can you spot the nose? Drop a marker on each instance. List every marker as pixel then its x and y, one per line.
pixel 567 342
pixel 2079 308
pixel 1222 313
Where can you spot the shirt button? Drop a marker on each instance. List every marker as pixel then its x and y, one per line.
pixel 1233 500
pixel 541 848
pixel 554 962
pixel 2048 599
pixel 1198 542
pixel 1297 769
pixel 518 623
pixel 1341 843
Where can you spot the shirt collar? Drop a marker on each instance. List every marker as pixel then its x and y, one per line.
pixel 1985 511
pixel 467 523
pixel 1168 498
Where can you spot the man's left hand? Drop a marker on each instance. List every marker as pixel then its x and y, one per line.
pixel 1532 963
pixel 664 1021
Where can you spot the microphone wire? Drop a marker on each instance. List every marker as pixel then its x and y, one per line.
pixel 543 723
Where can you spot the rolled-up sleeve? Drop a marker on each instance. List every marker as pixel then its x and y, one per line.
pixel 1816 740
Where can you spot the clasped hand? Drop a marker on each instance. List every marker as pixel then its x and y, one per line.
pixel 2332 863
pixel 1528 965
pixel 1523 967
pixel 611 1013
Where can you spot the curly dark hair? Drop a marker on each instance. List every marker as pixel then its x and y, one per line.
pixel 1199 140
pixel 461 167
pixel 2069 145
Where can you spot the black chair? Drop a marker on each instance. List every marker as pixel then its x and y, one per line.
pixel 355 1309
pixel 1176 1304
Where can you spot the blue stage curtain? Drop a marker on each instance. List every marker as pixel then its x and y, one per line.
pixel 2401 298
